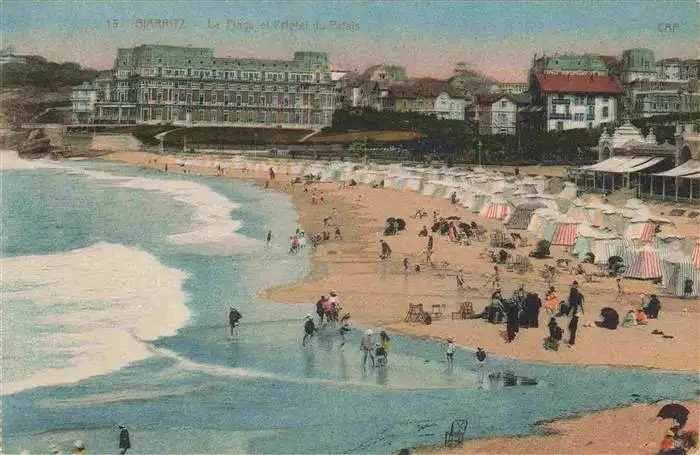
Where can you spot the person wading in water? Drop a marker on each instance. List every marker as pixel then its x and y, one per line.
pixel 233 319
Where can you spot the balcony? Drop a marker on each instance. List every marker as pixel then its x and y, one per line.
pixel 561 101
pixel 560 116
pixel 590 117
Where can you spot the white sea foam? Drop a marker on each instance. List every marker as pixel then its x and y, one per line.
pixel 213 225
pixel 100 302
pixel 212 216
pixel 10 160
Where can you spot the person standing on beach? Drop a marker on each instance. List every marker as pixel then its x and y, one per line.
pixel 575 299
pixel 405 265
pixel 430 243
pixel 124 440
pixel 620 292
pixel 512 321
pixel 460 280
pixel 573 327
pixel 386 250
pixel 269 237
pixel 320 311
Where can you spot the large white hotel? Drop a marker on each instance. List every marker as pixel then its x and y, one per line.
pixel 188 86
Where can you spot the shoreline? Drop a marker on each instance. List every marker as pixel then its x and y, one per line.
pixel 355 260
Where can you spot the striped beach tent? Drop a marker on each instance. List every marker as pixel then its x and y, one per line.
pixel 646 265
pixel 564 233
pixel 604 249
pixel 522 214
pixel 642 231
pixel 496 209
pixel 668 246
pixel 695 256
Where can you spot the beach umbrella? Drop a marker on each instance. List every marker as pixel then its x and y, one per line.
pixel 674 411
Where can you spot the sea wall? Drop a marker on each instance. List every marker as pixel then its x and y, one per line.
pixel 115 143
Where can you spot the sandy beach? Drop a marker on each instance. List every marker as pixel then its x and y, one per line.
pixel 378 293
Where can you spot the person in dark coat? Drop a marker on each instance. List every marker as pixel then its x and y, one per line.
pixel 512 325
pixel 573 327
pixel 309 329
pixel 653 307
pixel 430 243
pixel 319 308
pixel 234 317
pixel 533 303
pixel 124 441
pixel 575 299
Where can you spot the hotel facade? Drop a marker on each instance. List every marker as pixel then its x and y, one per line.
pixel 187 86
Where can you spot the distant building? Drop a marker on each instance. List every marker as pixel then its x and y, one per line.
pixel 429 97
pixel 84 100
pixel 500 114
pixel 573 101
pixel 665 102
pixel 155 84
pixel 371 88
pixel 638 64
pixel 690 69
pixel 569 64
pixel 389 74
pixel 513 88
pixel 12 59
pixel 668 69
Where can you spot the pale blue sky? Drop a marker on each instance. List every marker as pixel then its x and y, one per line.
pixel 496 37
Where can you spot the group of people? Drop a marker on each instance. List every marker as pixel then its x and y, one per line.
pixel 648 310
pixel 297 242
pixel 376 350
pixel 328 311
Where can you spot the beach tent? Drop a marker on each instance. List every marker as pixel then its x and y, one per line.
pixel 429 188
pixel 642 231
pixel 564 233
pixel 646 265
pixel 695 255
pixel 496 209
pixel 412 183
pixel 676 269
pixel 567 195
pixel 587 238
pixel 522 214
pixel 604 249
pixel 668 246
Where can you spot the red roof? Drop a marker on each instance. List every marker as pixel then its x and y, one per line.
pixel 578 83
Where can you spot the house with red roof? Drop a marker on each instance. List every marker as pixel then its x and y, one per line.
pixel 571 101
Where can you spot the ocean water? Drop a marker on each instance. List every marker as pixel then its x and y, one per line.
pixel 115 288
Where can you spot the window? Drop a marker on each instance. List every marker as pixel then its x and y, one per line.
pixel 606 99
pixel 239 100
pixel 226 100
pixel 251 100
pixel 226 116
pixel 503 103
pixel 560 126
pixel 578 117
pixel 189 98
pixel 591 112
pixel 605 112
pixel 262 117
pixel 200 116
pixel 201 98
pixel 213 116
